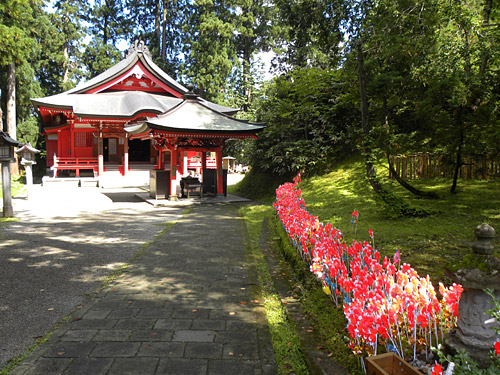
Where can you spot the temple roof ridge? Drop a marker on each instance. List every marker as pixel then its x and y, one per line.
pixel 122 67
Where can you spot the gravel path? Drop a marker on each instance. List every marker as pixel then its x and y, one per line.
pixel 61 248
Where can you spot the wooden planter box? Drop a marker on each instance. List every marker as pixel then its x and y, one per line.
pixel 389 364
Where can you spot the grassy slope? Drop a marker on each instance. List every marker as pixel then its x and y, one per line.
pixel 428 244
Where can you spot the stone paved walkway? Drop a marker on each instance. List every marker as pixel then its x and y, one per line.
pixel 186 306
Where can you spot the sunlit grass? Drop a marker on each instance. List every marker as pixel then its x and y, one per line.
pixel 286 344
pixel 17 187
pixel 429 243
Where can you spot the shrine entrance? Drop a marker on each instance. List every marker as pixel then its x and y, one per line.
pixel 110 150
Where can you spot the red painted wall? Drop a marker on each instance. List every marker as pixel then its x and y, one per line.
pixel 64 143
pixel 51 150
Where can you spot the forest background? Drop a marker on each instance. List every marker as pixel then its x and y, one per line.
pixel 375 78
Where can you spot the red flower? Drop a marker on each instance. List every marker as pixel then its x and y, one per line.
pixel 437 369
pixel 370 232
pixel 497 348
pixel 377 298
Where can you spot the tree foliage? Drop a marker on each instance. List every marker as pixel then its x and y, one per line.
pixel 109 23
pixel 310 122
pixel 159 23
pixel 209 47
pixel 16 40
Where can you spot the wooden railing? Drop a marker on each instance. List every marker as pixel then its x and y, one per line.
pixel 76 164
pixel 430 165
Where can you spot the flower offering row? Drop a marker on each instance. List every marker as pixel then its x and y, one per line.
pixel 385 303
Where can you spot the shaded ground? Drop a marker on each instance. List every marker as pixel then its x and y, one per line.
pixel 60 249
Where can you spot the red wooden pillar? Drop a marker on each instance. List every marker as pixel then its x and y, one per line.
pixel 173 174
pixel 125 155
pixel 161 159
pixel 184 163
pixel 203 160
pixel 72 141
pixel 100 151
pixel 59 143
pixel 180 155
pixel 218 155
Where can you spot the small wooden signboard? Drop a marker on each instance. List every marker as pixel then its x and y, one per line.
pixel 389 364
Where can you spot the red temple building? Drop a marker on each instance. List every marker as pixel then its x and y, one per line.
pixel 134 114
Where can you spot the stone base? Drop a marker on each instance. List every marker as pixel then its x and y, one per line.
pixel 453 344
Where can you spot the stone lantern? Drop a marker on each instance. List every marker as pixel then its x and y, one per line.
pixel 475 332
pixel 27 153
pixel 7 145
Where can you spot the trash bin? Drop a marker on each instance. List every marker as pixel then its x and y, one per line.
pixel 159 183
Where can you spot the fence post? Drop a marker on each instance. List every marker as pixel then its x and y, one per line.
pixel 398 165
pixel 390 160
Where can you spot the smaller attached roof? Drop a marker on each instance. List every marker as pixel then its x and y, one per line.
pixel 195 117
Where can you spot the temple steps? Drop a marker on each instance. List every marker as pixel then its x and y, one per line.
pixel 137 176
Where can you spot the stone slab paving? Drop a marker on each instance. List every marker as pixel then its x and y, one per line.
pixel 186 306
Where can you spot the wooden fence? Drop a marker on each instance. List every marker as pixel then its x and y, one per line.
pixel 428 165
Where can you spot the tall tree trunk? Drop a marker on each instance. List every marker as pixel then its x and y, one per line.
pixel 394 202
pixel 486 20
pixel 403 183
pixel 157 20
pixel 362 89
pixel 66 53
pixel 246 79
pixel 105 33
pixel 458 161
pixel 164 32
pixel 11 109
pixel 370 169
pixel 65 65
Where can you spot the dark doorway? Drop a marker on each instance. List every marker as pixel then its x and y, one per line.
pixel 109 149
pixel 139 151
pixel 105 149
